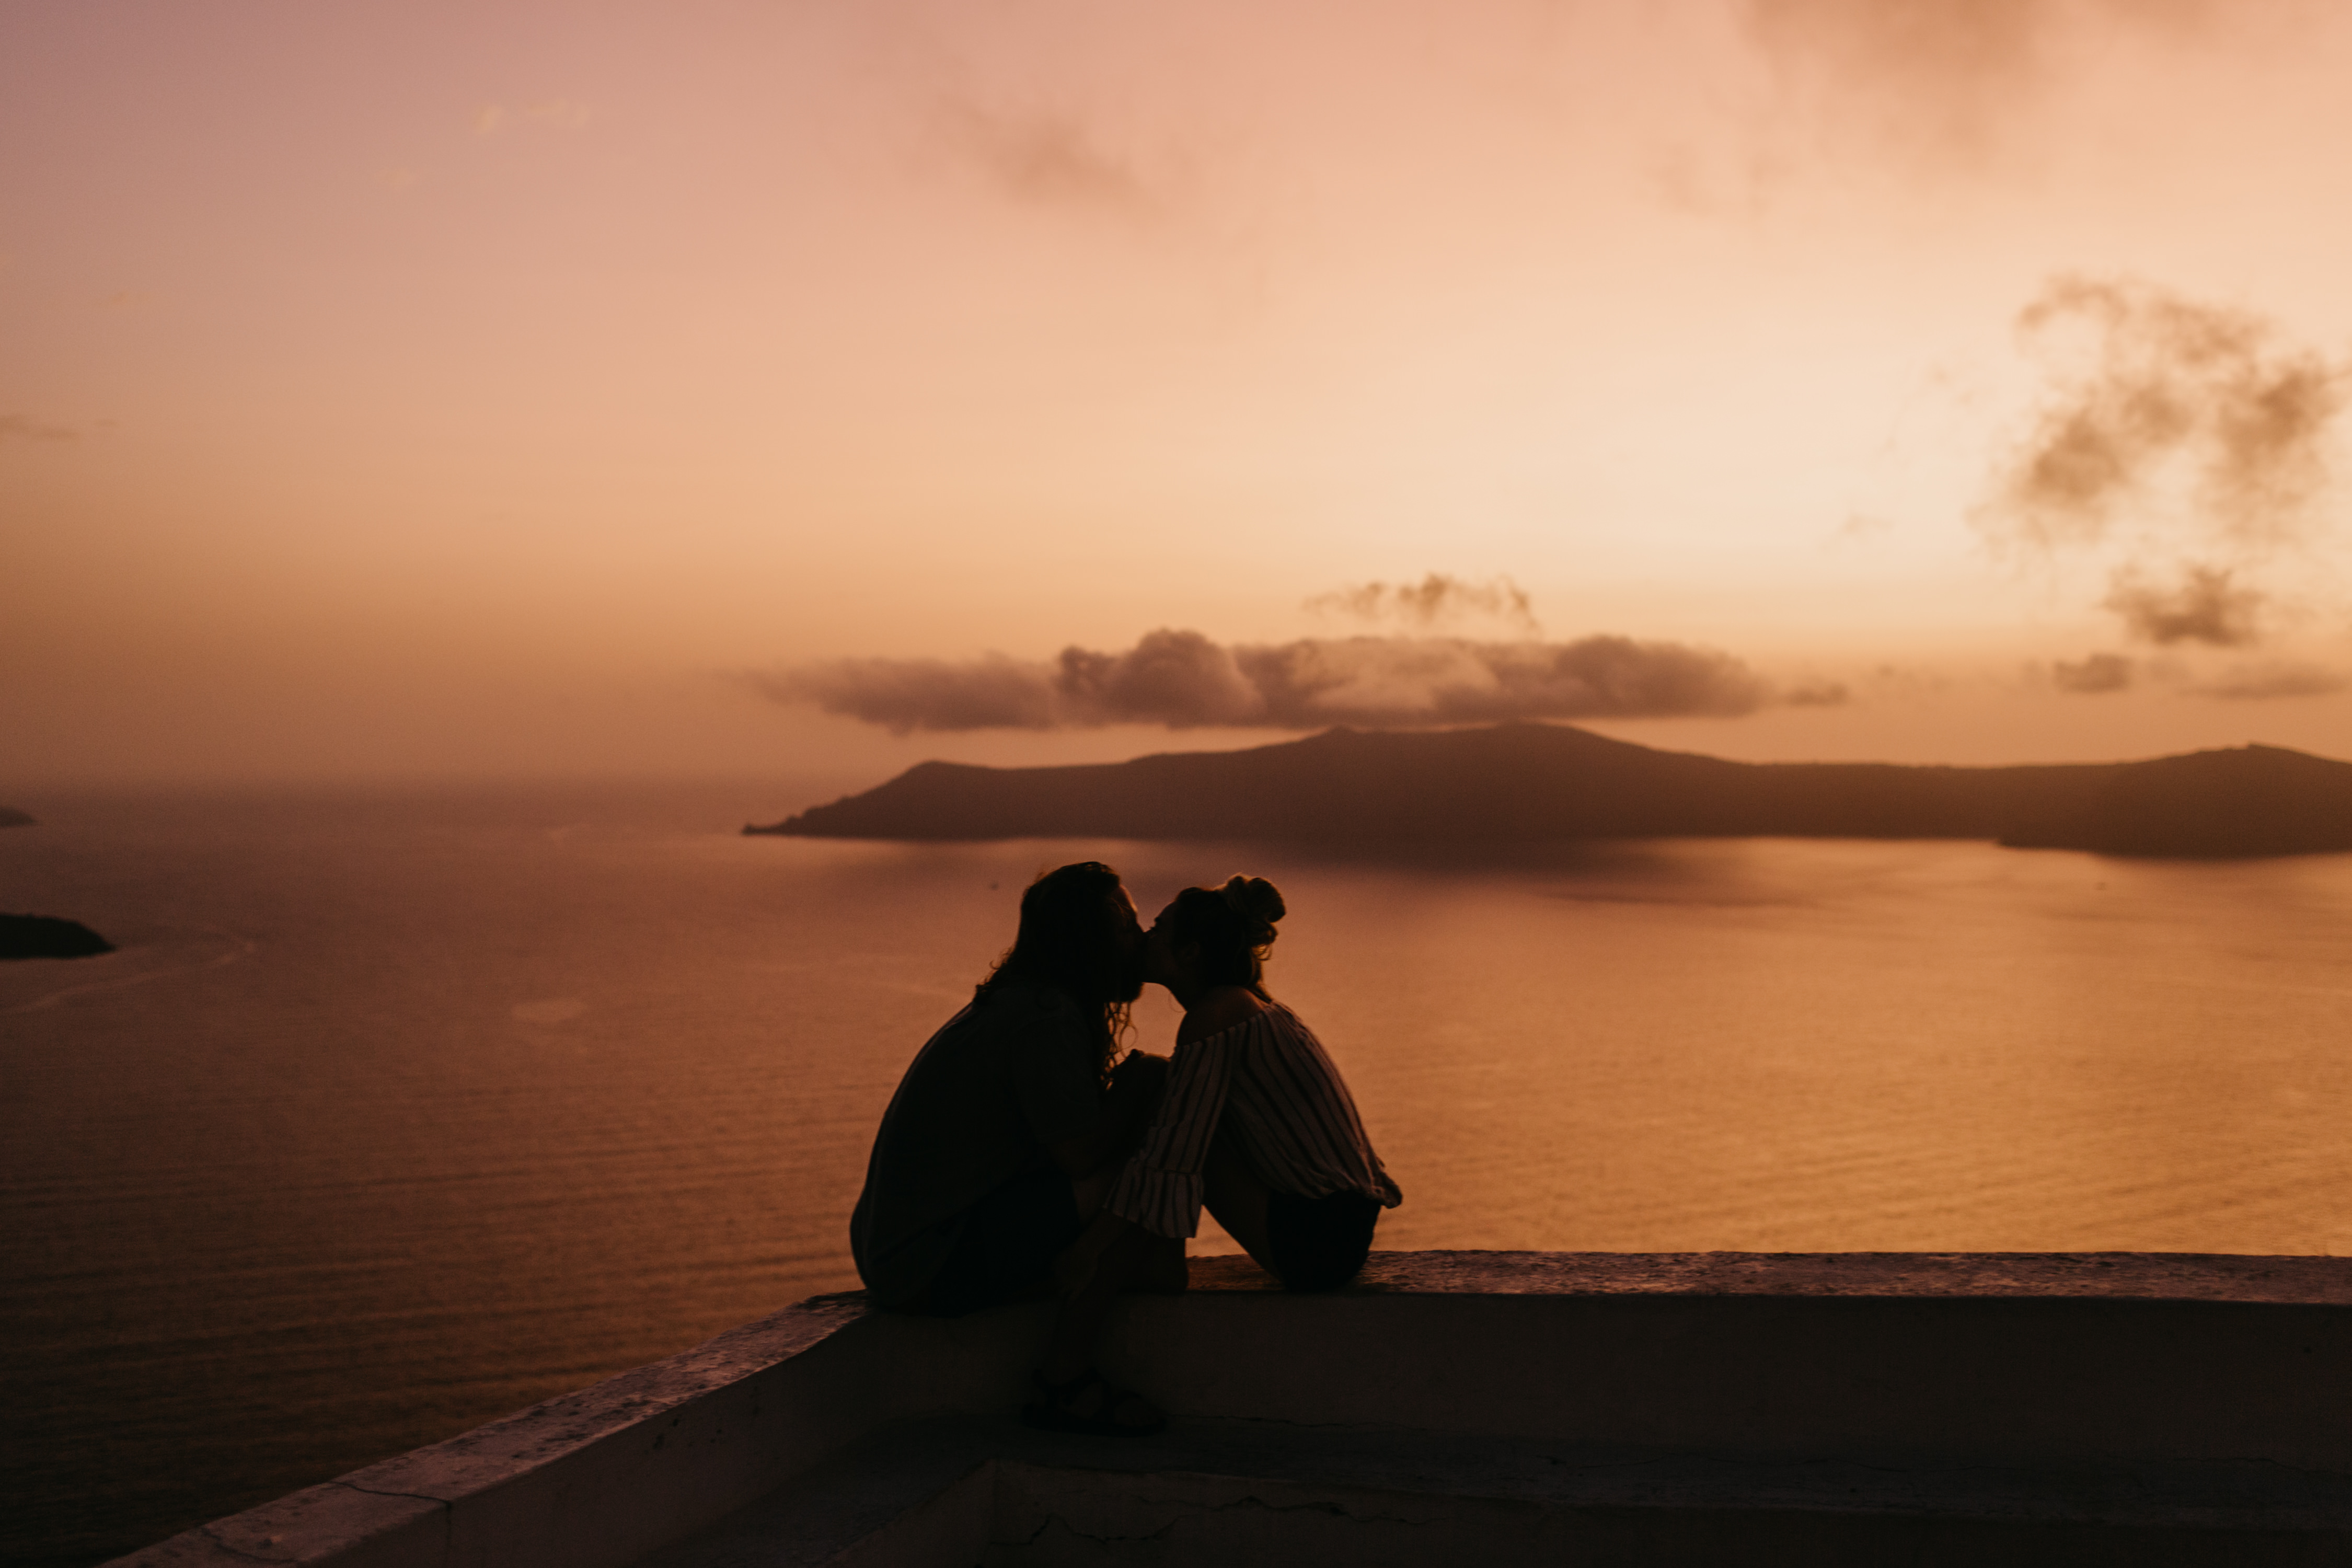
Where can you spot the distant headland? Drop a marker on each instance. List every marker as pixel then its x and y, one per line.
pixel 1532 782
pixel 11 817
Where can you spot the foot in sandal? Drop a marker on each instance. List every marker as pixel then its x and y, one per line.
pixel 1091 1404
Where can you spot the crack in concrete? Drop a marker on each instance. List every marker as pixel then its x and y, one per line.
pixel 209 1533
pixel 442 1503
pixel 448 1512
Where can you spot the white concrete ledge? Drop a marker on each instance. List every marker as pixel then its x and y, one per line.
pixel 2104 1276
pixel 2155 1383
pixel 984 1489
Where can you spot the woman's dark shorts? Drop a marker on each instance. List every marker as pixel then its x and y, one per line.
pixel 1005 1248
pixel 1318 1244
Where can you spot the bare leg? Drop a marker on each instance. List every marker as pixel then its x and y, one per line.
pixel 1125 1257
pixel 1237 1198
pixel 1167 1271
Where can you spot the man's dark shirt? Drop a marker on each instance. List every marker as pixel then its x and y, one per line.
pixel 1013 1073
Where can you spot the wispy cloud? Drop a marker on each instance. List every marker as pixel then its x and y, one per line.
pixel 2168 383
pixel 1437 600
pixel 2095 674
pixel 1936 68
pixel 1050 158
pixel 1183 679
pixel 1817 694
pixel 2259 682
pixel 2204 606
pixel 2187 442
pixel 1951 84
pixel 24 428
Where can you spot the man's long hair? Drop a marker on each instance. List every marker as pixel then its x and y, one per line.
pixel 1069 940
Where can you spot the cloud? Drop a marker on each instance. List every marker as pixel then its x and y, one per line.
pixel 1436 600
pixel 24 428
pixel 2093 676
pixel 903 694
pixel 2258 682
pixel 2188 439
pixel 1956 52
pixel 1948 81
pixel 1177 679
pixel 2169 384
pixel 1183 679
pixel 1048 159
pixel 2205 606
pixel 1406 680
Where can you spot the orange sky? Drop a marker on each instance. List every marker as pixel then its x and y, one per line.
pixel 429 388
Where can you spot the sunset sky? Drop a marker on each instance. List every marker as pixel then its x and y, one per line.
pixel 430 389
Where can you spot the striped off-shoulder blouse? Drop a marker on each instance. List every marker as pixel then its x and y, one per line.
pixel 1290 1113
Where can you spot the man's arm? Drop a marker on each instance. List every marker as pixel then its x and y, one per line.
pixel 1136 1084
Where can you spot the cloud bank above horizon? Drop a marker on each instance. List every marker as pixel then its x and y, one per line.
pixel 1183 679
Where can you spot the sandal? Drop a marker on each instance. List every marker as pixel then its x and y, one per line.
pixel 1052 1411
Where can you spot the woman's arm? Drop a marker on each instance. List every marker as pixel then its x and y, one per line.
pixel 1160 1188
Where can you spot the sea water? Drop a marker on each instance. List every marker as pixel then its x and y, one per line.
pixel 400 1110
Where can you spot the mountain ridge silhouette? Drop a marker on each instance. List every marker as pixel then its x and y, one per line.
pixel 1531 782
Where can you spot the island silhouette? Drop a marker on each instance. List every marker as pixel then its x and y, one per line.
pixel 1526 781
pixel 11 817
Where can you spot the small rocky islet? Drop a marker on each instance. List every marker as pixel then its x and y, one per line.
pixel 47 936
pixel 44 936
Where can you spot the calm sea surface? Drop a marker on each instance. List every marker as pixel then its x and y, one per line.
pixel 398 1111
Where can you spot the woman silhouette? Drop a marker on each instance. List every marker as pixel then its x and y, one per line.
pixel 1255 1124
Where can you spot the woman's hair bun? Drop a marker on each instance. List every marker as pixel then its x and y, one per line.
pixel 1256 900
pixel 1232 925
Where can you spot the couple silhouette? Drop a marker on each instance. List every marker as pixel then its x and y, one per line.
pixel 1023 1155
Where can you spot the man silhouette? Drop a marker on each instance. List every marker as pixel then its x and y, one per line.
pixel 1011 1122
